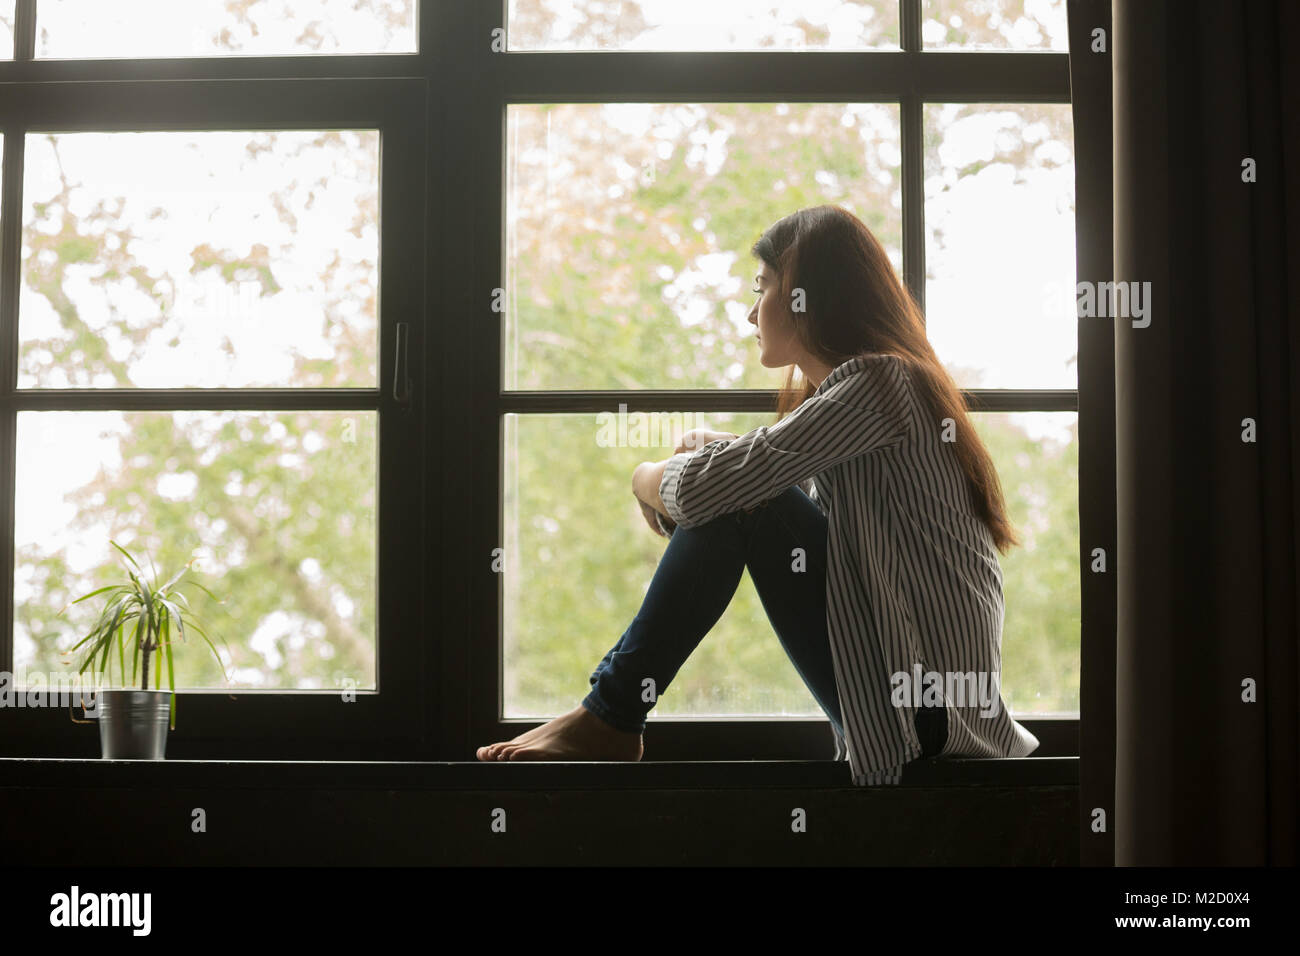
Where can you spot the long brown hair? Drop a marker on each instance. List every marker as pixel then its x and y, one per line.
pixel 854 304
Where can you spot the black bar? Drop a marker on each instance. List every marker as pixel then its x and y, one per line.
pixel 24 35
pixel 151 399
pixel 102 105
pixel 909 25
pixel 751 400
pixel 11 189
pixel 591 77
pixel 913 149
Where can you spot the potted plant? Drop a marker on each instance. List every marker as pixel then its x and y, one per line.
pixel 133 723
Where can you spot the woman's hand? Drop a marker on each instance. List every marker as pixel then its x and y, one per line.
pixel 651 516
pixel 645 485
pixel 697 438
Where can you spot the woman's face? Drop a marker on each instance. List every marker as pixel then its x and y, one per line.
pixel 777 343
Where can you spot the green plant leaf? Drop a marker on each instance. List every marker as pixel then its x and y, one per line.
pixel 206 591
pixel 176 577
pixel 214 651
pixel 128 556
pixel 135 653
pixel 164 647
pixel 111 587
pixel 171 682
pixel 176 613
pixel 108 638
pixel 149 555
pixel 194 625
pixel 151 622
pixel 103 660
pixel 80 642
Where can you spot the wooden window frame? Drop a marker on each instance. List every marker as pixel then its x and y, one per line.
pixel 238 94
pixel 909 78
pixel 442 113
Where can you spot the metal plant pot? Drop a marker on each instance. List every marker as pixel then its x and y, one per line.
pixel 133 723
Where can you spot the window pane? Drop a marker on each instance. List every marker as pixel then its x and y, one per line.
pixel 7 29
pixel 629 227
pixel 89 29
pixel 692 25
pixel 279 508
pixel 583 559
pixel 578 560
pixel 1037 458
pixel 994 25
pixel 1000 243
pixel 200 259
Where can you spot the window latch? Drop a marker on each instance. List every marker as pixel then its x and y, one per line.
pixel 401 378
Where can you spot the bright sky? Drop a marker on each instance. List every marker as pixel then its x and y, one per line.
pixel 98 29
pixel 743 24
pixel 731 24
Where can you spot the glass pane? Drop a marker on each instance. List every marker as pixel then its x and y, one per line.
pixel 692 25
pixel 579 557
pixel 1037 458
pixel 583 554
pixel 7 8
pixel 279 508
pixel 1000 243
pixel 90 29
pixel 200 259
pixel 629 227
pixel 994 25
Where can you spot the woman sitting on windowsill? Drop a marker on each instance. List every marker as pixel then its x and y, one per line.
pixel 876 475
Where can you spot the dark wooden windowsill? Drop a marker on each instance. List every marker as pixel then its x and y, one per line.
pixel 302 813
pixel 418 775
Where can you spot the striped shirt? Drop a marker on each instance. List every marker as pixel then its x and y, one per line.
pixel 914 605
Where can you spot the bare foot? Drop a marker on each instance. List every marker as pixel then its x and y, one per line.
pixel 577 735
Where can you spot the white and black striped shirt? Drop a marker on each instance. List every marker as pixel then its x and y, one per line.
pixel 913 583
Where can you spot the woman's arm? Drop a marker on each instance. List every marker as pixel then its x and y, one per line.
pixel 861 413
pixel 649 475
pixel 645 484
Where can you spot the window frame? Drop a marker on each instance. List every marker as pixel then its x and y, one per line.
pixel 442 111
pixel 909 77
pixel 277 93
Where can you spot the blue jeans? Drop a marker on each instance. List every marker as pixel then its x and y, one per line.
pixel 693 585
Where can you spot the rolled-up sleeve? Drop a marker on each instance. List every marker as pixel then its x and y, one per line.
pixel 862 413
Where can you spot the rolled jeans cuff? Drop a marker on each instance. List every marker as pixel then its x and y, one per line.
pixel 594 704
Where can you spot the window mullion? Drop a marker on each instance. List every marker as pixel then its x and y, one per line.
pixel 25 30
pixel 909 25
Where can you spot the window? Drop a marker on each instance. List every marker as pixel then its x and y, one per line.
pixel 372 305
pixel 214 297
pixel 633 190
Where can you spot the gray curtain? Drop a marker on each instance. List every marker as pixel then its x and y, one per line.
pixel 1206 566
